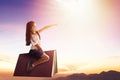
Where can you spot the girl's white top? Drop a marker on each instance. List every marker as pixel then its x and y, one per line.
pixel 35 39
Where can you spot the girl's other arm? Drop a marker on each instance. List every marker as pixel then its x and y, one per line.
pixel 46 27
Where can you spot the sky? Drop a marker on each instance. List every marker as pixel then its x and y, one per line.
pixel 87 38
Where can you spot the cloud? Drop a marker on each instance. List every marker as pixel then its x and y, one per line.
pixel 8 59
pixel 115 57
pixel 71 68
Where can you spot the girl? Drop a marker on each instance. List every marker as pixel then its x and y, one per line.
pixel 33 38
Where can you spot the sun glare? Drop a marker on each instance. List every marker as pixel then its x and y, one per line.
pixel 87 23
pixel 80 22
pixel 70 6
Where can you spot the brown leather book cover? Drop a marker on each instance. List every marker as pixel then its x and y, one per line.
pixel 47 69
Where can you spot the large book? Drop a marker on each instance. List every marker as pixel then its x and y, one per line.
pixel 47 69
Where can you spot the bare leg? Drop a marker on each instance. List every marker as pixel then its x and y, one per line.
pixel 44 58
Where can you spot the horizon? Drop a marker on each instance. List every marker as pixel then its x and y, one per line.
pixel 105 74
pixel 87 38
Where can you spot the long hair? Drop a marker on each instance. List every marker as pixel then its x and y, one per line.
pixel 29 26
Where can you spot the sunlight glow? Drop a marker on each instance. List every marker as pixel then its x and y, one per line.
pixel 81 21
pixel 6 66
pixel 87 23
pixel 71 5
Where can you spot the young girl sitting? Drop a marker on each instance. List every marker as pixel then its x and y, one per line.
pixel 33 38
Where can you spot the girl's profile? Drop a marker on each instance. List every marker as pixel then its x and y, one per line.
pixel 33 39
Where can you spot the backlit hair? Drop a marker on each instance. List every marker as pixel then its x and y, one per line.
pixel 29 26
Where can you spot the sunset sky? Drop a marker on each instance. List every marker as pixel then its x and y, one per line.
pixel 87 38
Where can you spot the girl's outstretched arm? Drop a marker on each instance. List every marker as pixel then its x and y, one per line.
pixel 46 27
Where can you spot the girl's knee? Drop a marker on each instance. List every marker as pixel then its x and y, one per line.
pixel 46 57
